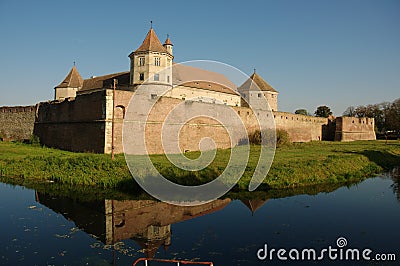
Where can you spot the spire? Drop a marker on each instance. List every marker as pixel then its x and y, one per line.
pixel 72 80
pixel 151 43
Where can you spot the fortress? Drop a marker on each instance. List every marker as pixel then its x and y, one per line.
pixel 88 114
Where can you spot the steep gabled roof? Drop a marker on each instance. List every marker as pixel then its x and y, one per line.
pixel 259 81
pixel 151 43
pixel 72 80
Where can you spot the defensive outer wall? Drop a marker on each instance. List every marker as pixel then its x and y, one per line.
pixel 84 123
pixel 16 122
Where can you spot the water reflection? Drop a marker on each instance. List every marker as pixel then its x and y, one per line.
pixel 228 231
pixel 395 175
pixel 147 222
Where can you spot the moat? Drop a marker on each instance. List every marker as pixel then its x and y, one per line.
pixel 43 229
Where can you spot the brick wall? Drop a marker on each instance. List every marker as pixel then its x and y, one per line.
pixel 352 128
pixel 300 128
pixel 74 125
pixel 16 122
pixel 85 124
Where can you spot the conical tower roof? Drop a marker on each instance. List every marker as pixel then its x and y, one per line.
pixel 254 204
pixel 151 43
pixel 72 80
pixel 168 41
pixel 259 81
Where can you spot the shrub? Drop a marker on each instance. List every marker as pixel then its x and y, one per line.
pixel 282 137
pixel 34 140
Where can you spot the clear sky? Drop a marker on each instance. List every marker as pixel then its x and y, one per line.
pixel 335 53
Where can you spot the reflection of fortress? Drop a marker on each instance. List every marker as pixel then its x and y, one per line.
pixel 81 116
pixel 148 222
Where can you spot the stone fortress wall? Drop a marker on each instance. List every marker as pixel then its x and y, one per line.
pixel 352 128
pixel 75 125
pixel 84 124
pixel 16 122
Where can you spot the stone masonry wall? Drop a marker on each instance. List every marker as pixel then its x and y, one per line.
pixel 16 122
pixel 85 124
pixel 74 125
pixel 300 128
pixel 352 128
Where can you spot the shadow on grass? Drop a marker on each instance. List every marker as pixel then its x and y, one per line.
pixel 384 159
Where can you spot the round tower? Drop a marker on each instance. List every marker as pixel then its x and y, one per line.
pixel 168 45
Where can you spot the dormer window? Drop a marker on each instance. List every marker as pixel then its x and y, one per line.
pixel 141 61
pixel 157 61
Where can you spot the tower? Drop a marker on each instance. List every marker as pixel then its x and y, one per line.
pixel 69 86
pixel 168 45
pixel 151 58
pixel 253 90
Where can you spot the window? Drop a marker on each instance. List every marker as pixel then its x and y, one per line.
pixel 157 61
pixel 156 77
pixel 141 76
pixel 259 95
pixel 168 79
pixel 141 61
pixel 154 96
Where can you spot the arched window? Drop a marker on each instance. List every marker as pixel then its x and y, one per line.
pixel 120 111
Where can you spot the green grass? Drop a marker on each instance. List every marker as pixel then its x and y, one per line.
pixel 297 165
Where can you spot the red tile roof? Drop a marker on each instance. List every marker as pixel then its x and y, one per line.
pixel 151 43
pixel 168 41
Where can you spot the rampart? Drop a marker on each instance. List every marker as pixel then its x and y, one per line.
pixel 85 123
pixel 352 128
pixel 16 122
pixel 300 128
pixel 74 125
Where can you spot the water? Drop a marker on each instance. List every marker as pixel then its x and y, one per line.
pixel 39 229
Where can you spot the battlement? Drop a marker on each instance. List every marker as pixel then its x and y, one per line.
pixel 17 109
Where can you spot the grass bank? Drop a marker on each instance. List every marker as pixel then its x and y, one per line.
pixel 300 164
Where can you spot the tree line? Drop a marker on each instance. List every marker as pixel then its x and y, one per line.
pixel 386 115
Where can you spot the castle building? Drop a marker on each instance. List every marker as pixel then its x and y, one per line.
pixel 152 64
pixel 87 114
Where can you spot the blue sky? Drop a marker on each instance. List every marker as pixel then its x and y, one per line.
pixel 335 53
